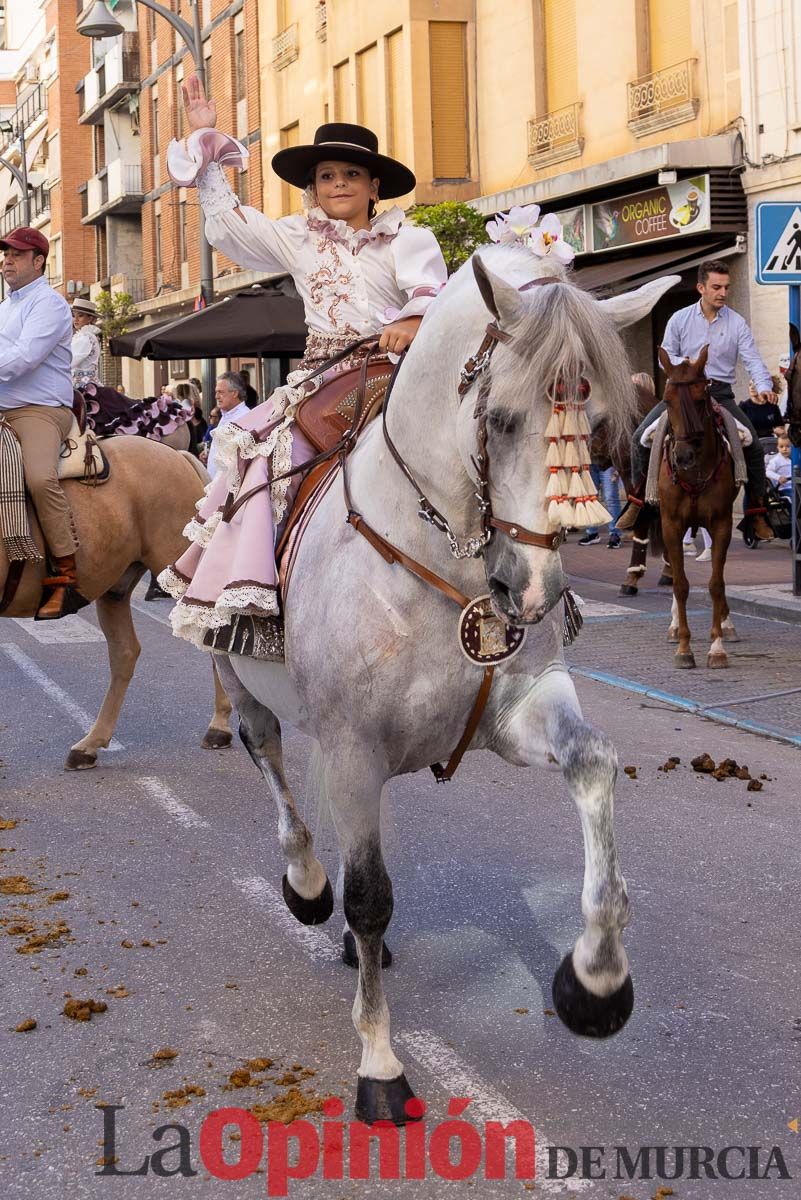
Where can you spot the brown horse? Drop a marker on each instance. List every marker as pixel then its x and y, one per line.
pixel 130 524
pixel 696 487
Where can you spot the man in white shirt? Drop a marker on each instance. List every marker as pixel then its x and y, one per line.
pixel 230 396
pixel 36 394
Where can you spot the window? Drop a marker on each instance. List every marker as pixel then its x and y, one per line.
pixel 101 252
pixel 99 147
pixel 292 197
pixel 55 267
pixel 669 24
pixel 561 70
pixel 397 140
pixel 449 127
pixel 54 159
pixel 369 89
pixel 341 102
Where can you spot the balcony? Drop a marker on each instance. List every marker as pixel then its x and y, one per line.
pixel 321 21
pixel 116 76
pixel 662 99
pixel 285 48
pixel 134 285
pixel 555 136
pixel 31 107
pixel 40 207
pixel 115 189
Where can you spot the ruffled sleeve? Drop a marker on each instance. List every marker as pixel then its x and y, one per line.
pixel 242 233
pixel 420 271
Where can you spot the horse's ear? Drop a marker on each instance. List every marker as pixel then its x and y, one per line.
pixel 501 298
pixel 700 362
pixel 795 339
pixel 664 360
pixel 634 306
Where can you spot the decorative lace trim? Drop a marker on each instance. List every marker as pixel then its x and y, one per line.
pixel 383 228
pixel 173 583
pixel 281 462
pixel 215 192
pixel 232 442
pixel 187 161
pixel 200 532
pixel 191 621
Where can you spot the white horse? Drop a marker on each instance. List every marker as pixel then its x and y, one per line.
pixel 373 669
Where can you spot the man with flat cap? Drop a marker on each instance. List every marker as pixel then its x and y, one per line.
pixel 36 394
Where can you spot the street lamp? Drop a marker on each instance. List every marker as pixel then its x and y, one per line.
pixel 98 22
pixel 21 173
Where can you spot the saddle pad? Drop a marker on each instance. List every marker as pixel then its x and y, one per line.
pixel 649 433
pixel 81 457
pixel 325 415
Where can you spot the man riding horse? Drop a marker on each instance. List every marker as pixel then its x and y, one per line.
pixel 711 322
pixel 36 396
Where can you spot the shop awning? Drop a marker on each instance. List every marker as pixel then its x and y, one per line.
pixel 262 321
pixel 621 274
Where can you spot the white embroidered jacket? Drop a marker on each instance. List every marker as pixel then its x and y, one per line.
pixel 351 282
pixel 85 356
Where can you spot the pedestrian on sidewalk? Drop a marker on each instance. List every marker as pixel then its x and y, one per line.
pixel 608 485
pixel 690 548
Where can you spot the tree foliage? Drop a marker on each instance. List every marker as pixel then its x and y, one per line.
pixel 458 228
pixel 115 311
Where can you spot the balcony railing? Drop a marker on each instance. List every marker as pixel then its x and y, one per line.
pixel 285 47
pixel 115 76
pixel 27 112
pixel 662 99
pixel 117 188
pixel 321 21
pixel 12 217
pixel 555 136
pixel 133 285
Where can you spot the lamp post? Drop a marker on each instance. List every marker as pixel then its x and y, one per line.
pixel 20 173
pixel 99 22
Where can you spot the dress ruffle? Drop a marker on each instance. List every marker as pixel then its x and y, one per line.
pixel 187 161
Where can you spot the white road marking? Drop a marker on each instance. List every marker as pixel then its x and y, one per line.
pixel 180 812
pixel 150 610
pixel 68 629
pixel 56 693
pixel 458 1080
pixel 316 943
pixel 600 608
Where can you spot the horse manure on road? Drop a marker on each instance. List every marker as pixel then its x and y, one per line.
pixel 631 772
pixel 704 764
pixel 16 885
pixel 289 1107
pixel 82 1010
pixel 25 1026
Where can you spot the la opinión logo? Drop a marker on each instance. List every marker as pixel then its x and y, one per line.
pixel 453 1149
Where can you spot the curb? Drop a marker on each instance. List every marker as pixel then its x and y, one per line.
pixel 767 610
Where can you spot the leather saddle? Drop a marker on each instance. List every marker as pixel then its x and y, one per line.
pixel 328 413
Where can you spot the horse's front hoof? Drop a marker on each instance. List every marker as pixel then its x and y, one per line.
pixel 216 739
pixel 585 1014
pixel 716 661
pixel 384 1100
pixel 309 912
pixel 664 581
pixel 628 589
pixel 350 955
pixel 80 760
pixel 684 661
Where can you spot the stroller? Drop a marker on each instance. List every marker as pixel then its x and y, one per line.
pixel 780 508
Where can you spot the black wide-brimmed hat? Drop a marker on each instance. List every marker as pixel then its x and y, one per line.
pixel 345 143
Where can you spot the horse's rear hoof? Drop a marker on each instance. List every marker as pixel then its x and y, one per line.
pixel 628 589
pixel 80 760
pixel 585 1014
pixel 664 581
pixel 350 955
pixel 729 634
pixel 683 661
pixel 716 661
pixel 309 912
pixel 385 1100
pixel 216 739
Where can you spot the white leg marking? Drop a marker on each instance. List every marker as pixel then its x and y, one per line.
pixel 56 693
pixel 180 812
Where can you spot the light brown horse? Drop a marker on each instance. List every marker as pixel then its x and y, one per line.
pixel 696 487
pixel 130 524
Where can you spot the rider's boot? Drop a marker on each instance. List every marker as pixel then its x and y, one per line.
pixel 64 578
pixel 636 502
pixel 755 520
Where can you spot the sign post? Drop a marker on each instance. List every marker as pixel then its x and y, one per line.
pixel 778 258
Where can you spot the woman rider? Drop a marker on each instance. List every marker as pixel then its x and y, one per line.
pixel 357 273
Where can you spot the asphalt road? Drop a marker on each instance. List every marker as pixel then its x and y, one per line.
pixel 172 917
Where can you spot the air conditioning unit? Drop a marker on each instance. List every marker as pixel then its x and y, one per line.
pixel 31 72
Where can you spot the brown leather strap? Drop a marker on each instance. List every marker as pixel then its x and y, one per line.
pixel 446 773
pixel 15 569
pixel 546 541
pixel 392 554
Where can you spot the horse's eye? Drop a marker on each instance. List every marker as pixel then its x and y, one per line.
pixel 503 420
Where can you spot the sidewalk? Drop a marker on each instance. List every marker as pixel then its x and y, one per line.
pixel 758 582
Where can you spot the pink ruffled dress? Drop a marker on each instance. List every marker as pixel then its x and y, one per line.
pixel 352 283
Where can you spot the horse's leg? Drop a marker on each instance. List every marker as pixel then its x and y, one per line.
pixel 673 532
pixel 114 617
pixel 637 565
pixel 592 988
pixel 354 792
pixel 218 735
pixel 721 537
pixel 307 891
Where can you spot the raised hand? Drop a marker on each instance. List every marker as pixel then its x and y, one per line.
pixel 200 112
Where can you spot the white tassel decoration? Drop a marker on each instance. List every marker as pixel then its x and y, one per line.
pixel 553 458
pixel 553 513
pixel 554 488
pixel 564 482
pixel 598 513
pixel 567 514
pixel 570 425
pixel 582 518
pixel 570 457
pixel 576 488
pixel 586 481
pixel 583 424
pixel 554 427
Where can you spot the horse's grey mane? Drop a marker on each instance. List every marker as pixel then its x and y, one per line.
pixel 568 333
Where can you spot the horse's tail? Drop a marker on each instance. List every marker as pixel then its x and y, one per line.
pixel 657 542
pixel 197 466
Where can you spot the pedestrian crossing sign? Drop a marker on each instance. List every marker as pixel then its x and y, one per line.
pixel 778 248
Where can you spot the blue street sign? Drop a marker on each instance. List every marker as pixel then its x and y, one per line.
pixel 778 246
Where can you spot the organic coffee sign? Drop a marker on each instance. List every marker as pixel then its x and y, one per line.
pixel 662 212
